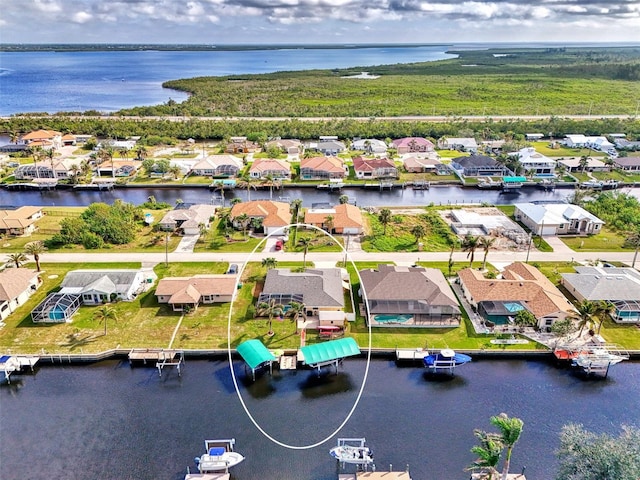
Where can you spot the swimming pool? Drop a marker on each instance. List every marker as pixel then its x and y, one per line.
pixel 392 318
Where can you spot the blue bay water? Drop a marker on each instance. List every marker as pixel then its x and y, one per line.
pixel 108 81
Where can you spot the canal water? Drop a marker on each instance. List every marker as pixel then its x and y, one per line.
pixel 110 421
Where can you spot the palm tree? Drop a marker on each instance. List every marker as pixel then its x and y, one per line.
pixel 469 245
pixel 295 311
pixel 343 199
pixel 244 220
pixel 105 314
pixel 418 231
pixel 488 452
pixel 50 154
pixel 486 243
pixel 269 262
pixel 35 249
pixel 510 431
pixel 295 207
pixel 141 152
pixel 584 162
pixel 247 181
pixel 224 214
pixel 269 180
pixel 75 172
pixel 633 240
pixel 384 217
pixel 586 311
pixel 270 309
pixel 17 259
pixel 304 242
pixel 175 171
pixel 328 223
pixel 106 155
pixel 604 308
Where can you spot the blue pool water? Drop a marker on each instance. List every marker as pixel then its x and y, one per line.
pixel 513 307
pixel 392 318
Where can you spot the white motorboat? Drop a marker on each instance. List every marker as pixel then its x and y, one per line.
pixel 598 358
pixel 352 450
pixel 219 456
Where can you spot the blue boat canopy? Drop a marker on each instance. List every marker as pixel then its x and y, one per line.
pixel 255 353
pixel 514 179
pixel 323 353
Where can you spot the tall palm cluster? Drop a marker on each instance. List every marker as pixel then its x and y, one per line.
pixel 34 249
pixel 491 446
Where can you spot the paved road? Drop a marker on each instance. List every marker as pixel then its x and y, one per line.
pixel 359 256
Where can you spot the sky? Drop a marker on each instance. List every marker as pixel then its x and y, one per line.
pixel 318 21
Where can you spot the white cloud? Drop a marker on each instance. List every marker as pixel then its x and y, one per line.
pixel 81 17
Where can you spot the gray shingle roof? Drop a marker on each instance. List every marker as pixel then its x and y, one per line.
pixel 595 283
pixel 78 281
pixel 320 287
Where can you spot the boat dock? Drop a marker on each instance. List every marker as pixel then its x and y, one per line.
pixel 162 358
pixel 16 364
pixel 288 362
pixel 375 476
pixel 411 354
pixel 207 476
pixel 420 185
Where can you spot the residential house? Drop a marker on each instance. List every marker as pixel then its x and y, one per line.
pixel 241 145
pixel 374 167
pixel 557 219
pixel 346 219
pixel 593 165
pixel 600 143
pixel 329 146
pixel 624 144
pixel 320 290
pixel 413 145
pixel 429 164
pixel 120 168
pixel 628 164
pixel 462 144
pixel 479 166
pixel 42 169
pixel 533 137
pixel 535 163
pixel 186 293
pixel 288 146
pixel 619 286
pixel 21 221
pixel 520 287
pixel 264 167
pixel 322 168
pixel 370 146
pixel 218 166
pixel 100 286
pixel 69 140
pixel 190 219
pixel 16 286
pixel 275 216
pixel 408 296
pixel 43 138
pixel 575 141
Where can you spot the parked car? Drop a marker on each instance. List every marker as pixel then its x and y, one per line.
pixel 279 245
pixel 233 269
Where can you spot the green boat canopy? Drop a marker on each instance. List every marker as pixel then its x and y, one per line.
pixel 322 353
pixel 514 179
pixel 255 353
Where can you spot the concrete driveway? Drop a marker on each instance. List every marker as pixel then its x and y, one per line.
pixel 187 243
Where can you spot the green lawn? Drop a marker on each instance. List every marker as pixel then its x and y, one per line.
pixel 606 241
pixel 561 151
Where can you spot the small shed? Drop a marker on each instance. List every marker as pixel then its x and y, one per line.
pixel 256 355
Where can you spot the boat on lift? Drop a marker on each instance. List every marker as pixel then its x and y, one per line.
pixel 219 456
pixel 446 360
pixel 353 451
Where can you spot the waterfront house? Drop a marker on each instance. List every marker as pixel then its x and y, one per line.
pixel 593 165
pixel 188 220
pixel 535 163
pixel 288 146
pixel 619 286
pixel 413 145
pixel 118 168
pixel 218 166
pixel 461 144
pixel 100 286
pixel 408 296
pixel 43 138
pixel 21 221
pixel 557 219
pixel 368 168
pixel 42 169
pixel 276 168
pixel 186 293
pixel 520 287
pixel 16 287
pixel 425 164
pixel 479 166
pixel 628 164
pixel 320 290
pixel 370 146
pixel 322 168
pixel 345 219
pixel 274 215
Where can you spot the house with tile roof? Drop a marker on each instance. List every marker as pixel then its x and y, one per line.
pixel 413 145
pixel 288 146
pixel 189 220
pixel 274 215
pixel 241 145
pixel 43 138
pixel 276 168
pixel 16 286
pixel 557 219
pixel 368 168
pixel 21 221
pixel 218 165
pixel 398 296
pixel 424 164
pixel 520 287
pixel 186 293
pixel 346 219
pixel 619 286
pixel 593 165
pixel 322 168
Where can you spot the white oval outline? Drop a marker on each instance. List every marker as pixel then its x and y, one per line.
pixel 233 374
